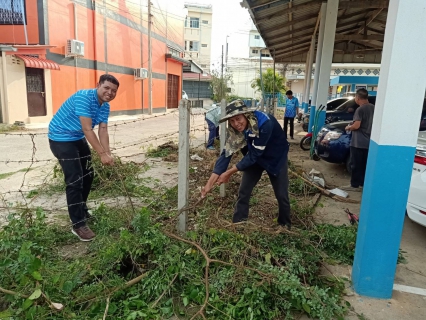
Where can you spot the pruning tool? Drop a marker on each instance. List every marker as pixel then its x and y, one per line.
pixel 353 218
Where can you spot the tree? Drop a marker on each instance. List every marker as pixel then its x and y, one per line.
pixel 220 86
pixel 268 82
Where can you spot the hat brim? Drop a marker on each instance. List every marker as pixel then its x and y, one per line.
pixel 237 112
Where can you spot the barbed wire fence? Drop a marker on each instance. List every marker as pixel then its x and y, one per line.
pixel 37 180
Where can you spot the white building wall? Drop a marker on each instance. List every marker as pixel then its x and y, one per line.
pixel 202 35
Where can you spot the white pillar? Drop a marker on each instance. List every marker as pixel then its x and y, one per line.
pixel 308 73
pixel 183 164
pixel 319 52
pixel 317 65
pixel 392 147
pixel 327 51
pixel 305 83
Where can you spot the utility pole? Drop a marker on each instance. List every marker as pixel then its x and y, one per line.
pixel 261 80
pixel 221 78
pixel 149 58
pixel 273 88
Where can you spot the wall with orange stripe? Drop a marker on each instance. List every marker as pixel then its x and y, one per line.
pixel 107 40
pixel 111 45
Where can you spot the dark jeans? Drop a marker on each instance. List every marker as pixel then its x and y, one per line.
pixel 359 165
pixel 75 160
pixel 286 121
pixel 213 133
pixel 280 185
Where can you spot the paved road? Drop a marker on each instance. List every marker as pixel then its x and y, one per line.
pixel 128 135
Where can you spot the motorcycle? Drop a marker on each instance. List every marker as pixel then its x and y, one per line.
pixel 305 143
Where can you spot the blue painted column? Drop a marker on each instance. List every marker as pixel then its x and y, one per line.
pixel 392 148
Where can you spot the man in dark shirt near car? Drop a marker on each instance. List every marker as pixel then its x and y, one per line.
pixel 360 142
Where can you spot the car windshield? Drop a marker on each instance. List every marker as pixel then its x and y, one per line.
pixel 347 104
pixel 351 104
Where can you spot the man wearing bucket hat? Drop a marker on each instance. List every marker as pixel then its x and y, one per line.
pixel 262 141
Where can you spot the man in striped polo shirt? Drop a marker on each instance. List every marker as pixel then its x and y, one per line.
pixel 69 130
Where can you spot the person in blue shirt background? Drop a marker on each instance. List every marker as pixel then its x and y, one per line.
pixel 69 130
pixel 290 112
pixel 262 141
pixel 212 119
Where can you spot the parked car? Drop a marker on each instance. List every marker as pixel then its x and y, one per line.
pixel 332 144
pixel 331 105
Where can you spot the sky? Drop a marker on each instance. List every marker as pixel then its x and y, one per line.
pixel 229 18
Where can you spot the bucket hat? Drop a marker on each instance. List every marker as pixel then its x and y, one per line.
pixel 235 108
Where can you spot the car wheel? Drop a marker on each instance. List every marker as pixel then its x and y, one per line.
pixel 348 164
pixel 305 143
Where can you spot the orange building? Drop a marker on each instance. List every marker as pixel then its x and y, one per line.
pixel 42 64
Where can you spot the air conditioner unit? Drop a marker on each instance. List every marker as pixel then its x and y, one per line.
pixel 141 73
pixel 75 48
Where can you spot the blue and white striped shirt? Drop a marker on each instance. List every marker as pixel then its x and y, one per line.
pixel 65 124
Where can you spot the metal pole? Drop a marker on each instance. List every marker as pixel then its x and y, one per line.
pixel 183 165
pixel 223 140
pixel 221 78
pixel 105 37
pixel 149 58
pixel 141 42
pixel 25 22
pixel 273 87
pixel 199 79
pixel 261 78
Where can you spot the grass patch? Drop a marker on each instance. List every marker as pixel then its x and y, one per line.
pixel 162 151
pixel 10 127
pixel 8 174
pixel 258 271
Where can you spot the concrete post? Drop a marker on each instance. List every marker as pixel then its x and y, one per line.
pixel 317 64
pixel 223 140
pixel 274 110
pixel 392 147
pixel 326 59
pixel 253 103
pixel 183 166
pixel 303 100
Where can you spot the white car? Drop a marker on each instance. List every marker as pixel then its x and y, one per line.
pixel 416 206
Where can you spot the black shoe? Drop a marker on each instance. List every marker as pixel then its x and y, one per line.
pixel 282 224
pixel 88 215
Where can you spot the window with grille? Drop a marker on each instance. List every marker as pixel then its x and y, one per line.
pixel 205 22
pixel 204 45
pixel 12 11
pixel 192 22
pixel 254 51
pixel 257 37
pixel 203 66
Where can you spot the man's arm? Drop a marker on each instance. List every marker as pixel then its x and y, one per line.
pixel 354 126
pixel 104 137
pixel 86 124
